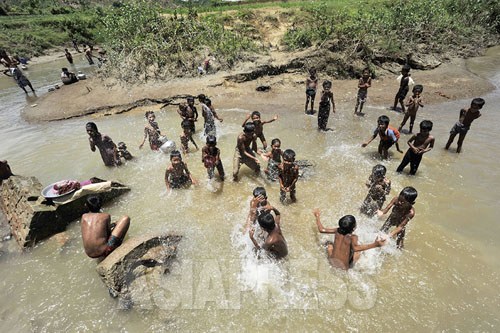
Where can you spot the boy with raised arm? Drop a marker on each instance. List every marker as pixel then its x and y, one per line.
pixel 388 136
pixel 274 243
pixel 344 252
pixel 259 126
pixel 465 119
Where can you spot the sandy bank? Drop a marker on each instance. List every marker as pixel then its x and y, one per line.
pixel 93 96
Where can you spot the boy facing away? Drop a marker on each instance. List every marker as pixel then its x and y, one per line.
pixel 345 250
pixel 288 174
pixel 419 144
pixel 364 83
pixel 100 236
pixel 274 243
pixel 388 137
pixel 414 103
pixel 465 119
pixel 259 127
pixel 402 213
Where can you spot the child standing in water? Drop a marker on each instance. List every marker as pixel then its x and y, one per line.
pixel 259 126
pixel 152 132
pixel 106 146
pixel 379 186
pixel 403 88
pixel 402 213
pixel 345 251
pixel 210 156
pixel 324 106
pixel 273 159
pixel 177 174
pixel 288 175
pixel 364 83
pixel 419 145
pixel 414 103
pixel 260 205
pixel 209 115
pixel 191 113
pixel 311 86
pixel 186 136
pixel 388 136
pixel 465 119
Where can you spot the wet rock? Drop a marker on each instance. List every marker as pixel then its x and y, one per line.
pixel 263 88
pixel 134 259
pixel 32 218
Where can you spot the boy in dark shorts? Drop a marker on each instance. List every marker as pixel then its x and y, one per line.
pixel 324 106
pixel 364 83
pixel 402 213
pixel 177 174
pixel 311 86
pixel 100 236
pixel 388 136
pixel 244 154
pixel 403 88
pixel 186 136
pixel 345 251
pixel 259 127
pixel 191 113
pixel 465 119
pixel 210 156
pixel 288 175
pixel 419 145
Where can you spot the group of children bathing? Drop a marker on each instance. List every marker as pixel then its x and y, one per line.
pixel 345 249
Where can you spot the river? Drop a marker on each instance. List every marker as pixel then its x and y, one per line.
pixel 446 278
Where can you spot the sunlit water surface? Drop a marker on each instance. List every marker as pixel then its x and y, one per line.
pixel 445 279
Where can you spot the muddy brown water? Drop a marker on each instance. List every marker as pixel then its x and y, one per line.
pixel 447 277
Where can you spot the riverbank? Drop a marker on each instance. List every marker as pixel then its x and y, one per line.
pixel 450 80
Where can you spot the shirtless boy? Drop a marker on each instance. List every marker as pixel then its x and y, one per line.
pixel 191 113
pixel 274 242
pixel 259 127
pixel 243 153
pixel 186 136
pixel 419 145
pixel 311 86
pixel 210 156
pixel 402 213
pixel 152 132
pixel 379 186
pixel 345 251
pixel 414 103
pixel 364 83
pixel 260 205
pixel 177 174
pixel 388 137
pixel 106 146
pixel 100 236
pixel 288 174
pixel 324 106
pixel 465 119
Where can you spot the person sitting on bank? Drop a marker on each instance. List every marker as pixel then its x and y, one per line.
pixel 68 77
pixel 100 236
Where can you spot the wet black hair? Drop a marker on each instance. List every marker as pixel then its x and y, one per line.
pixel 256 113
pixel 410 194
pixel 289 155
pixel 211 139
pixel 64 69
pixel 366 69
pixel 122 144
pixel 92 126
pixel 94 203
pixel 378 171
pixel 175 153
pixel 347 224
pixel 418 87
pixel 426 125
pixel 249 127
pixel 190 98
pixel 327 84
pixel 259 190
pixel 185 123
pixel 148 113
pixel 208 101
pixel 275 141
pixel 202 97
pixel 383 120
pixel 479 102
pixel 266 221
pixel 406 68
